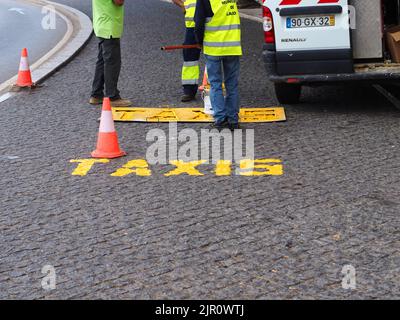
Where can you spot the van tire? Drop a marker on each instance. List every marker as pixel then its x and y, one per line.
pixel 288 93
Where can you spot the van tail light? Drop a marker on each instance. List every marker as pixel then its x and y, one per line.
pixel 268 25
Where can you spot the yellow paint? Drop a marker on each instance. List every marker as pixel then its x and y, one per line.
pixel 265 166
pixel 140 167
pixel 185 167
pixel 223 168
pixel 194 114
pixel 85 165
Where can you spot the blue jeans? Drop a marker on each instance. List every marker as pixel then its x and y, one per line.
pixel 219 69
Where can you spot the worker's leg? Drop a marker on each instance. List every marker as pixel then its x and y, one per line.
pixel 214 70
pixel 190 69
pixel 112 67
pixel 231 66
pixel 98 81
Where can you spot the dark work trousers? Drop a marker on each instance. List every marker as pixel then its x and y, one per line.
pixel 108 67
pixel 190 55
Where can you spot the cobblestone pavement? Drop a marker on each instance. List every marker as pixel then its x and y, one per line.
pixel 286 236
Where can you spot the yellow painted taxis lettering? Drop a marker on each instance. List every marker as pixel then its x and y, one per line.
pixel 223 168
pixel 85 165
pixel 185 167
pixel 266 167
pixel 140 167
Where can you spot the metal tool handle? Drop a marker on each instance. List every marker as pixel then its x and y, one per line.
pixel 180 47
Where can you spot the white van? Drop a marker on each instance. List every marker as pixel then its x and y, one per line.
pixel 318 42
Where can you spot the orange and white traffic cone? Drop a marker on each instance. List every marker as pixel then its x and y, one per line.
pixel 205 83
pixel 107 143
pixel 24 73
pixel 205 87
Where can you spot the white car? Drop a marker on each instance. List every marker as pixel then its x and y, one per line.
pixel 319 42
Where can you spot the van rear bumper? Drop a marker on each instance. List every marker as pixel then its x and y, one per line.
pixel 314 61
pixel 270 60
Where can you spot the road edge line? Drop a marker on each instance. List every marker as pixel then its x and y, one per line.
pixel 250 17
pixel 79 32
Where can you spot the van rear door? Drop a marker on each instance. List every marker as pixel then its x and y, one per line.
pixel 312 36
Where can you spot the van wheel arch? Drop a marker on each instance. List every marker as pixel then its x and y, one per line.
pixel 288 93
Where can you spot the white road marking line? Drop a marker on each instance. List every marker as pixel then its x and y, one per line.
pixel 250 17
pixel 19 10
pixel 5 96
pixel 8 157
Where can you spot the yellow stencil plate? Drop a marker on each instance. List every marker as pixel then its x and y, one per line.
pixel 273 114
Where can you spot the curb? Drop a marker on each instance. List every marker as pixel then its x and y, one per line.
pixel 79 32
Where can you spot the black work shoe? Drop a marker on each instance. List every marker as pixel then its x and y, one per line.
pixel 234 126
pixel 220 126
pixel 188 97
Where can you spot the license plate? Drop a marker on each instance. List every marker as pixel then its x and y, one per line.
pixel 310 22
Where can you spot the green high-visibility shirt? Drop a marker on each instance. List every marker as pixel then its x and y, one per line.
pixel 108 19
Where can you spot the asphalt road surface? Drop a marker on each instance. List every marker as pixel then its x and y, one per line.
pixel 21 27
pixel 229 237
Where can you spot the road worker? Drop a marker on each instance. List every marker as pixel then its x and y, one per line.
pixel 108 24
pixel 218 30
pixel 191 68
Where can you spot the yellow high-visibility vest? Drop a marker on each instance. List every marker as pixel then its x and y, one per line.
pixel 190 73
pixel 190 7
pixel 108 19
pixel 222 36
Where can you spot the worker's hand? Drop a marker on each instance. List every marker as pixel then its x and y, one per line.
pixel 119 2
pixel 181 4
